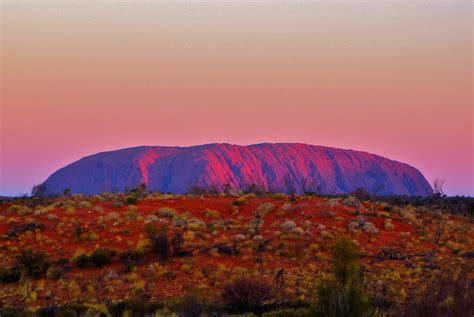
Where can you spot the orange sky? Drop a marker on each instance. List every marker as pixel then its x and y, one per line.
pixel 391 78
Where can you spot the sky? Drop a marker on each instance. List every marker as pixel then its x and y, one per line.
pixel 392 78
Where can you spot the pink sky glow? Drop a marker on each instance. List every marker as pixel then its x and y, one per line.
pixel 390 78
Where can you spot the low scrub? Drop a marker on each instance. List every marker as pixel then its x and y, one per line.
pixel 10 274
pixel 35 263
pixel 342 293
pixel 246 295
pixel 99 257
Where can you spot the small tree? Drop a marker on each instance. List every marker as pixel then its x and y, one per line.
pixel 342 293
pixel 438 187
pixel 360 195
pixel 160 245
pixel 177 243
pixel 259 247
pixel 38 190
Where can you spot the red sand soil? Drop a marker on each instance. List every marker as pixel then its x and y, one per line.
pixel 208 272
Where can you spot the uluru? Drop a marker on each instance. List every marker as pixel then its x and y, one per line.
pixel 275 167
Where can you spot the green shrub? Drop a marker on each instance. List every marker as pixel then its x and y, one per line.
pixel 101 256
pixel 246 295
pixel 136 306
pixel 131 258
pixel 209 213
pixel 10 275
pixel 35 263
pixel 54 272
pixel 342 293
pixel 132 199
pixel 160 245
pixel 84 204
pixel 194 305
pixel 288 312
pixel 167 212
pixel 81 260
pixel 264 209
pixel 450 292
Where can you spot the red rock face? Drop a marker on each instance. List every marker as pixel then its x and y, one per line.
pixel 280 167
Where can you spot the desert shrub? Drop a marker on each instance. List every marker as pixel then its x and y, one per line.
pixel 24 211
pixel 177 243
pixel 342 293
pixel 160 246
pixel 288 312
pixel 209 213
pixel 243 199
pixel 158 239
pixel 41 211
pixel 265 208
pixel 84 204
pixel 10 275
pixel 35 263
pixel 388 225
pixel 279 196
pixel 193 305
pixel 117 204
pixel 288 225
pixel 131 258
pixel 112 216
pixel 248 295
pixel 167 212
pixel 151 218
pixel 52 217
pixel 8 311
pixel 326 235
pixel 102 256
pixel 133 307
pixel 450 293
pixel 150 230
pixel 68 310
pixel 82 260
pixel 54 272
pixel 327 213
pixel 15 208
pixel 131 199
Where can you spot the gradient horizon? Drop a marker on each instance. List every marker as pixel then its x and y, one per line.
pixel 389 78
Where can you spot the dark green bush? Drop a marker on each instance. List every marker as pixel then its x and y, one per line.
pixel 131 258
pixel 10 275
pixel 449 293
pixel 35 263
pixel 132 199
pixel 10 312
pixel 54 272
pixel 246 295
pixel 193 305
pixel 101 256
pixel 159 240
pixel 135 307
pixel 81 260
pixel 160 245
pixel 288 312
pixel 343 293
pixel 68 310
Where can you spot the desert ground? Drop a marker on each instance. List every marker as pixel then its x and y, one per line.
pixel 177 254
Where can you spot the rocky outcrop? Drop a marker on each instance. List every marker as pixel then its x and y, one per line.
pixel 280 167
